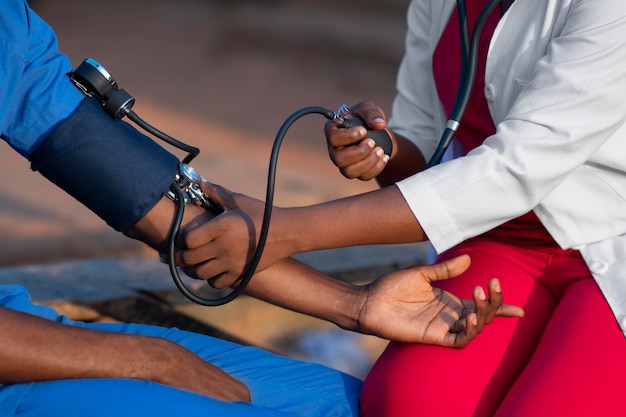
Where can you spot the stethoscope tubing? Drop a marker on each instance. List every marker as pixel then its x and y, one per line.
pixel 469 61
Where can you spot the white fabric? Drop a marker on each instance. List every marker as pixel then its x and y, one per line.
pixel 555 81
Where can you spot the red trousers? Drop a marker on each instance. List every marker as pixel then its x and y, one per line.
pixel 565 357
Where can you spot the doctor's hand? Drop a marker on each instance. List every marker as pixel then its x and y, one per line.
pixel 404 307
pixel 356 155
pixel 221 249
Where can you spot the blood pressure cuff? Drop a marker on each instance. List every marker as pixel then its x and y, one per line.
pixel 106 164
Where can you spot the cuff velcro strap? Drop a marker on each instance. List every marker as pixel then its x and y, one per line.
pixel 106 164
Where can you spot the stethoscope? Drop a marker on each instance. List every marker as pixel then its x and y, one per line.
pixel 469 58
pixel 95 81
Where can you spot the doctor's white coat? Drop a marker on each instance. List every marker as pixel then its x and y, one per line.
pixel 555 82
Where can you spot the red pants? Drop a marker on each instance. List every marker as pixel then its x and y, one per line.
pixel 566 357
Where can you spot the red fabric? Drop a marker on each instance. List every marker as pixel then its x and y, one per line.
pixel 566 357
pixel 513 368
pixel 476 124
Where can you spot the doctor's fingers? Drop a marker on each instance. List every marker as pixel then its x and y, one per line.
pixel 364 167
pixel 338 137
pixel 211 260
pixel 214 271
pixel 196 256
pixel 225 229
pixel 376 169
pixel 371 113
pixel 350 155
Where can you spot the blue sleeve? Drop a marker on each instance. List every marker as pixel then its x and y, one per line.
pixel 108 166
pixel 35 93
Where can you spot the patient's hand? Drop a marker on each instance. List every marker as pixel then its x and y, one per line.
pixel 404 307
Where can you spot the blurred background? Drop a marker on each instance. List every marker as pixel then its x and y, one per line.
pixel 221 75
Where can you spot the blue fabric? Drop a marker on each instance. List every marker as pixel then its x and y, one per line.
pixel 109 167
pixel 106 164
pixel 279 386
pixel 35 93
pixel 39 110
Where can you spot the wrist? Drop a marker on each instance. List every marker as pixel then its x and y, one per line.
pixel 153 229
pixel 349 308
pixel 406 161
pixel 153 358
pixel 161 359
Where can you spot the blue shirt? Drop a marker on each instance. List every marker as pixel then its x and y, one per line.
pixel 82 154
pixel 35 94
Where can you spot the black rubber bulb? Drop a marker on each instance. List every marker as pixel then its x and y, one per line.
pixel 381 137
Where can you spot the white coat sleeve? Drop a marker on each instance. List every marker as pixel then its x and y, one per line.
pixel 416 111
pixel 570 106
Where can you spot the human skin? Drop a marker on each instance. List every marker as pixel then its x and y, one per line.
pixel 400 306
pixel 221 249
pixel 37 349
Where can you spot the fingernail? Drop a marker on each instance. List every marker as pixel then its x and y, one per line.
pixel 378 120
pixel 371 143
pixel 481 294
pixel 386 158
pixel 474 321
pixel 380 153
pixel 497 287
